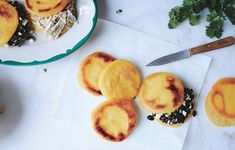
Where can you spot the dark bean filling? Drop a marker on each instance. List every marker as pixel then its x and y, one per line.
pixel 24 30
pixel 179 115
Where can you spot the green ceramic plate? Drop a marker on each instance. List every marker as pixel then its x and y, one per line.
pixel 44 50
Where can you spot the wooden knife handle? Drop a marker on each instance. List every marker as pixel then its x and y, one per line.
pixel 1 110
pixel 213 45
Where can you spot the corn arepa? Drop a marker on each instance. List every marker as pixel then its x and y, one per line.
pixel 90 70
pixel 161 93
pixel 8 21
pixel 120 79
pixel 114 119
pixel 220 102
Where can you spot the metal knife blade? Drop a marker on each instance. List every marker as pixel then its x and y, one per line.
pixel 228 41
pixel 170 58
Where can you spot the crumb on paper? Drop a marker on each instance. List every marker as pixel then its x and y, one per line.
pixel 119 11
pixel 45 70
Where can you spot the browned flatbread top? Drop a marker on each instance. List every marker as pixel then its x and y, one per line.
pixel 114 120
pixel 45 8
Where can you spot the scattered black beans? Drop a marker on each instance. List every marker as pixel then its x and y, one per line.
pixel 181 114
pixel 24 30
pixel 45 70
pixel 118 11
pixel 150 117
pixel 194 113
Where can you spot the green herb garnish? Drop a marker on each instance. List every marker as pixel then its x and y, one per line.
pixel 219 10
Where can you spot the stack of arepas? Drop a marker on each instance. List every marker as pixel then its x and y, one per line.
pixel 165 96
pixel 118 80
pixel 220 102
pixel 17 22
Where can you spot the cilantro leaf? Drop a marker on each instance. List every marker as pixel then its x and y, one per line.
pixel 190 9
pixel 196 5
pixel 194 19
pixel 177 15
pixel 228 2
pixel 214 5
pixel 213 14
pixel 215 28
pixel 230 13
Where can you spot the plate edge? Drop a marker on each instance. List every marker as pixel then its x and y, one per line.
pixel 59 56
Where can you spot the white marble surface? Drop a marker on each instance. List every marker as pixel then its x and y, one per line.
pixel 28 122
pixel 151 17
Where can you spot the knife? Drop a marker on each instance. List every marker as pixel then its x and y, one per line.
pixel 193 51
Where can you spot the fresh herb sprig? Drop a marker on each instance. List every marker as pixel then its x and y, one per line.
pixel 219 10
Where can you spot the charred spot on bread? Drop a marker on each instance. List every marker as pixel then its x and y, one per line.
pixel 91 89
pixel 177 97
pixel 28 4
pixel 101 131
pixel 160 106
pixel 48 9
pixel 45 8
pixel 105 57
pixel 151 103
pixel 4 12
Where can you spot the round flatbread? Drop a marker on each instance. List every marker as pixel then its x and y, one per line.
pixel 220 102
pixel 90 70
pixel 8 21
pixel 114 120
pixel 45 8
pixel 120 80
pixel 161 93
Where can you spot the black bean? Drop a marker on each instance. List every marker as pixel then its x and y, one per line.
pixel 192 96
pixel 186 90
pixel 150 117
pixel 194 113
pixel 190 91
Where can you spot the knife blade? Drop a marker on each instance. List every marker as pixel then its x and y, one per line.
pixel 170 58
pixel 193 51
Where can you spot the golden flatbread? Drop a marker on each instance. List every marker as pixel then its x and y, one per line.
pixel 220 102
pixel 161 93
pixel 120 80
pixel 8 21
pixel 90 70
pixel 114 119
